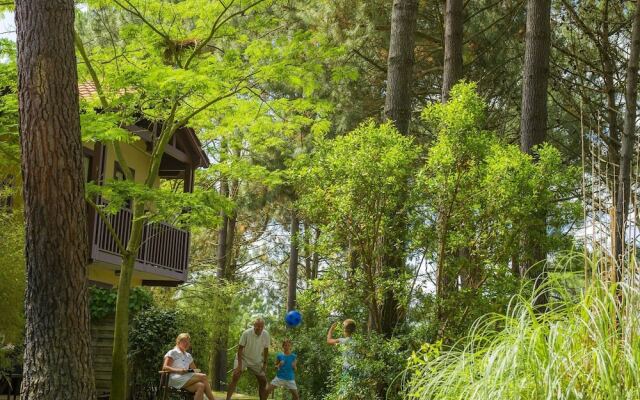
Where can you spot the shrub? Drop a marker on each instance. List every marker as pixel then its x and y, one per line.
pixel 376 364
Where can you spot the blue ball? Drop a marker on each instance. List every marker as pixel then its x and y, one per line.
pixel 293 318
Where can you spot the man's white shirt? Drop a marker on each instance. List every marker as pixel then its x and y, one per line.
pixel 254 346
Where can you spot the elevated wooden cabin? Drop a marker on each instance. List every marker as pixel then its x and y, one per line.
pixel 163 258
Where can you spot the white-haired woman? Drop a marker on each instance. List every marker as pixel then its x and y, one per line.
pixel 184 374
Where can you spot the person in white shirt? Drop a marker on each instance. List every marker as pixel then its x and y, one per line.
pixel 348 329
pixel 253 351
pixel 184 374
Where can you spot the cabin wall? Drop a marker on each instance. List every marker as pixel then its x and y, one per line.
pixel 134 153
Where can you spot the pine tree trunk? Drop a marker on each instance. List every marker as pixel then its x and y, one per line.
pixel 628 139
pixel 535 77
pixel 57 358
pixel 609 73
pixel 453 28
pixel 315 258
pixel 293 263
pixel 533 122
pixel 397 107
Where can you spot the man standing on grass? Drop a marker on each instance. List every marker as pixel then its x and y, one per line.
pixel 253 351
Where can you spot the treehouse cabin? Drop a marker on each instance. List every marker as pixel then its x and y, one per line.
pixel 163 257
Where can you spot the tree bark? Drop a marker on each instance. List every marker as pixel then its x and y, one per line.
pixel 533 122
pixel 57 357
pixel 293 263
pixel 623 195
pixel 453 28
pixel 535 77
pixel 315 258
pixel 397 107
pixel 307 252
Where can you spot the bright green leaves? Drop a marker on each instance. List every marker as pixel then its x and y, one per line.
pixel 104 127
pixel 9 144
pixel 355 182
pixel 490 191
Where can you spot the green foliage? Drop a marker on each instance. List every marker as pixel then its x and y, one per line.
pixel 353 187
pixel 152 333
pixel 582 348
pixel 12 275
pixel 376 365
pixel 10 176
pixel 102 301
pixel 478 196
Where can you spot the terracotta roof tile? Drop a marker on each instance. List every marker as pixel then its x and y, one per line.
pixel 87 90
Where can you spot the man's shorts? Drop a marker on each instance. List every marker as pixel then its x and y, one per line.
pixel 291 385
pixel 254 369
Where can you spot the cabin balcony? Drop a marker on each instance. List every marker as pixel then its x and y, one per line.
pixel 162 259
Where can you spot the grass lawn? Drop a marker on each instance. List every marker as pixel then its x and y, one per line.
pixel 236 396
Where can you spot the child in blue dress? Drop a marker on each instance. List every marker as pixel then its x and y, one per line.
pixel 286 365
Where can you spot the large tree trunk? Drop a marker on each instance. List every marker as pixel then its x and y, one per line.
pixel 628 138
pixel 533 122
pixel 535 77
pixel 609 72
pixel 397 106
pixel 453 26
pixel 398 109
pixel 293 263
pixel 57 358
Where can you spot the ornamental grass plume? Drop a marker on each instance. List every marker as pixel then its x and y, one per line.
pixel 585 346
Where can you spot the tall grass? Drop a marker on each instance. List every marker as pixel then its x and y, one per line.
pixel 586 346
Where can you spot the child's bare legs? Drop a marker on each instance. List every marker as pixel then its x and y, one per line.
pixel 294 394
pixel 268 390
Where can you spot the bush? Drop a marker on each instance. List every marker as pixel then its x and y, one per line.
pixel 102 301
pixel 376 364
pixel 153 333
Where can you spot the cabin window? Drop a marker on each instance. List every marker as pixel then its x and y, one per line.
pixel 118 172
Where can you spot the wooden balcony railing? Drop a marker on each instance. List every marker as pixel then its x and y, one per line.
pixel 164 249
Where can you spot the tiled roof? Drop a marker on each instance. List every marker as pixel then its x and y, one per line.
pixel 87 90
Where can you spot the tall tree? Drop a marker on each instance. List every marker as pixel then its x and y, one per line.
pixel 293 262
pixel 453 28
pixel 533 121
pixel 397 108
pixel 57 359
pixel 623 194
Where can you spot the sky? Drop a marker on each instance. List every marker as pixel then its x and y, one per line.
pixel 7 26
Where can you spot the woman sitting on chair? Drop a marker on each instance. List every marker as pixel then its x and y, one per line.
pixel 184 374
